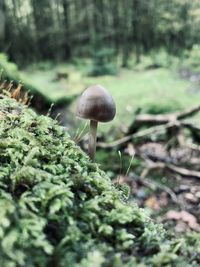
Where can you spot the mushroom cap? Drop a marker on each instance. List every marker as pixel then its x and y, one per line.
pixel 97 104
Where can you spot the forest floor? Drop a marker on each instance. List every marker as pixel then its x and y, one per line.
pixel 167 195
pixel 56 81
pixel 146 91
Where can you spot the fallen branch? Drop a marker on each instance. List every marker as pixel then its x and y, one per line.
pixel 152 130
pixel 187 113
pixel 150 183
pixel 148 119
pixel 158 129
pixel 193 147
pixel 183 172
pixel 179 170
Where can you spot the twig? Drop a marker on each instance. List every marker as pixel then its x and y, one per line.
pixel 190 126
pixel 149 183
pixel 192 146
pixel 179 170
pixel 183 172
pixel 187 113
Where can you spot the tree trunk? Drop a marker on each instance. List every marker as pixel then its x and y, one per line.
pixel 2 21
pixel 136 29
pixel 67 37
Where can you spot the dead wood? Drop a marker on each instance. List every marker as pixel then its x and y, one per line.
pixel 176 169
pixel 152 130
pixel 183 172
pixel 153 184
pixel 149 119
pixel 155 130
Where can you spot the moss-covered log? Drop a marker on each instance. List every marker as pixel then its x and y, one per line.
pixel 58 209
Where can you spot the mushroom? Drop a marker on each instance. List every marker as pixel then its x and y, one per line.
pixel 97 105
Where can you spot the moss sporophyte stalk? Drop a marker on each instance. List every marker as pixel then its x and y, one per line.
pixel 57 208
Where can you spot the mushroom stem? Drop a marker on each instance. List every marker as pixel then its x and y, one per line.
pixel 92 139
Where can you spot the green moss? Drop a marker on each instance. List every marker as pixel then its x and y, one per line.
pixel 9 69
pixel 59 209
pixel 45 77
pixel 40 81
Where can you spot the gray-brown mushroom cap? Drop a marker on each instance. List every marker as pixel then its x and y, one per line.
pixel 97 104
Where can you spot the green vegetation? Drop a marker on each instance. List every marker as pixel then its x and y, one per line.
pixel 9 70
pixel 56 82
pixel 103 63
pixel 74 28
pixel 146 91
pixel 138 89
pixel 46 80
pixel 59 209
pixel 191 59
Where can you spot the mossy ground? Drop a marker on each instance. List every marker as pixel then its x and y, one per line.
pixel 40 81
pixel 137 89
pixel 152 91
pixel 59 209
pixel 55 81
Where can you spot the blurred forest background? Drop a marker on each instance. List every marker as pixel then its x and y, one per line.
pixel 147 54
pixel 34 30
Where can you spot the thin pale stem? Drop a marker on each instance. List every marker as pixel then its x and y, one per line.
pixel 92 139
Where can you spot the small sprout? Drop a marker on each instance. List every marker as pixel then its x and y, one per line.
pixel 97 105
pixel 130 163
pixel 120 164
pixel 80 133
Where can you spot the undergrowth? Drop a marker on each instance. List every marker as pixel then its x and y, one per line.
pixel 57 208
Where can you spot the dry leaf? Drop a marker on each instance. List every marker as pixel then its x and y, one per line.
pixel 185 217
pixel 173 215
pixel 163 199
pixel 191 198
pixel 181 227
pixel 152 203
pixel 130 149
